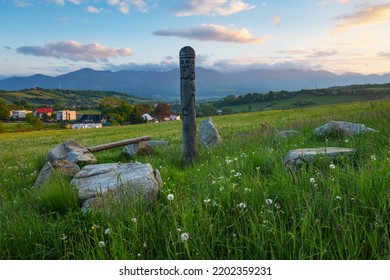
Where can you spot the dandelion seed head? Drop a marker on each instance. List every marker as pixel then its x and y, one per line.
pixel 332 166
pixel 107 231
pixel 312 180
pixel 102 244
pixel 338 197
pixel 268 201
pixel 170 197
pixel 184 236
pixel 242 205
pixel 134 220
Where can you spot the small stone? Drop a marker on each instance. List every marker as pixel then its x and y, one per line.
pixel 341 129
pixel 296 158
pixel 138 149
pixel 71 151
pixel 208 134
pixel 287 133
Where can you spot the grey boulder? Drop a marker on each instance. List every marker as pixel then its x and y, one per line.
pixel 118 181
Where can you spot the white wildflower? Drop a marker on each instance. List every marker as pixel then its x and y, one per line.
pixel 312 180
pixel 102 244
pixel 207 200
pixel 332 166
pixel 107 231
pixel 170 197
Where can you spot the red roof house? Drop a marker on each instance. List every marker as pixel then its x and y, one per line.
pixel 39 112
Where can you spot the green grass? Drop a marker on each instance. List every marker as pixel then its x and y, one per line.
pixel 289 103
pixel 223 201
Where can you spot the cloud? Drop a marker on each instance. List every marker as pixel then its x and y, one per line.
pixel 210 7
pixel 366 16
pixel 328 2
pixel 75 51
pixel 93 10
pixel 323 53
pixel 165 65
pixel 125 5
pixel 276 20
pixel 384 54
pixel 22 3
pixel 241 65
pixel 213 32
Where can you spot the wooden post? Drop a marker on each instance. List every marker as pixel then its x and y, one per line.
pixel 187 97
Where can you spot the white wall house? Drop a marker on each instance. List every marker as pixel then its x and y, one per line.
pixel 19 114
pixel 66 115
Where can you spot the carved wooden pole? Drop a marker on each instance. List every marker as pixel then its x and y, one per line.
pixel 187 97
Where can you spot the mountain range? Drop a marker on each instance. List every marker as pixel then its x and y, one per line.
pixel 209 83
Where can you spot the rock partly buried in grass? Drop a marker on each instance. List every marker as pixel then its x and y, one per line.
pixel 208 134
pixel 287 133
pixel 341 129
pixel 61 166
pixel 102 183
pixel 138 149
pixel 71 151
pixel 296 158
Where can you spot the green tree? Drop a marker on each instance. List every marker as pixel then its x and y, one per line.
pixel 135 116
pixel 208 110
pixel 29 118
pixel 4 110
pixel 36 123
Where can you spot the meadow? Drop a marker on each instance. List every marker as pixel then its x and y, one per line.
pixel 237 201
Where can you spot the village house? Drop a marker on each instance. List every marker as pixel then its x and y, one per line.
pixel 92 118
pixel 148 118
pixel 66 115
pixel 40 112
pixel 19 114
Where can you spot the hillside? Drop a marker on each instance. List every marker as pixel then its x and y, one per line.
pixel 209 83
pixel 67 98
pixel 304 98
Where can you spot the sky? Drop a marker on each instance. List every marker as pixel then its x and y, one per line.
pixel 54 37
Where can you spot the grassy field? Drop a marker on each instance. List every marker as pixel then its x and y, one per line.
pixel 292 103
pixel 236 202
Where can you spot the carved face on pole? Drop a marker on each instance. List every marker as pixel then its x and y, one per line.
pixel 187 68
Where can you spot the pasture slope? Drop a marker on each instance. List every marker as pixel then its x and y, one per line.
pixel 236 202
